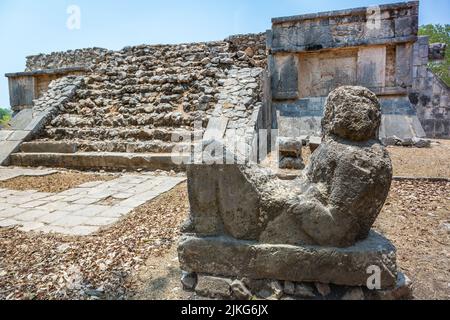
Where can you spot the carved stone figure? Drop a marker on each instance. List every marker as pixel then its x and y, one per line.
pixel 334 203
pixel 247 223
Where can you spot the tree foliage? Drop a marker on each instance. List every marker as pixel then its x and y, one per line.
pixel 5 115
pixel 439 33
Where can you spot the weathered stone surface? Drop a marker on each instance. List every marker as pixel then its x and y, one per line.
pixel 284 78
pixel 345 28
pixel 105 160
pixel 409 142
pixel 354 295
pixel 437 51
pixel 346 266
pixel 221 207
pixel 304 291
pixel 6 148
pixel 291 163
pixel 48 147
pixel 334 204
pixel 58 60
pixel 289 287
pixel 213 287
pixel 273 290
pixel 249 223
pixel 352 113
pixel 189 281
pixel 240 291
pixel 290 146
pixel 376 47
pixel 29 122
pixel 429 95
pixel 314 143
pixel 7 173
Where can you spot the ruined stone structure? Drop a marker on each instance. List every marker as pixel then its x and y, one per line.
pixel 429 94
pixel 374 47
pixel 132 103
pixel 338 80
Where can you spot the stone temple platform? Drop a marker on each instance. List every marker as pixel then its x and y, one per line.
pixel 82 210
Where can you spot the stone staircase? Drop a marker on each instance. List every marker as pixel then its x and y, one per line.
pixel 139 104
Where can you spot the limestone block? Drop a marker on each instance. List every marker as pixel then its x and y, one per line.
pixel 22 119
pixel 314 143
pixel 6 148
pixel 19 135
pixel 4 134
pixel 290 146
pixel 372 67
pixel 322 72
pixel 302 118
pixel 404 65
pixel 406 26
pixel 346 266
pixel 292 163
pixel 216 128
pixel 48 146
pixel 213 287
pixel 284 77
pixel 236 213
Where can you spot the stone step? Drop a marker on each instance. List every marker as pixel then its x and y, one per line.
pixel 118 145
pixel 107 133
pixel 48 147
pixel 101 160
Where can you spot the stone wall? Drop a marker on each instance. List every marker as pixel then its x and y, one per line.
pixel 374 47
pixel 253 45
pixel 429 94
pixel 437 51
pixel 392 23
pixel 67 59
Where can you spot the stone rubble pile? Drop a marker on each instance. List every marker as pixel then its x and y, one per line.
pixel 139 98
pixel 408 142
pixel 59 92
pixel 71 58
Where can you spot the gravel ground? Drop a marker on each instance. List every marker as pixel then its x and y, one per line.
pixel 414 218
pixel 427 162
pixel 54 183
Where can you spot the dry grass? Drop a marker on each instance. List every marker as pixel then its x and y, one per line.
pixel 53 183
pixel 427 162
pixel 413 219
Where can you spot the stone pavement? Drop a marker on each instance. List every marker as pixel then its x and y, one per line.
pixel 82 210
pixel 7 173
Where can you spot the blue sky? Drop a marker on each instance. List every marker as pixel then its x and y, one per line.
pixel 30 27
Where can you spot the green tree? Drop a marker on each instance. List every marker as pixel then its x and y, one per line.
pixel 439 33
pixel 5 116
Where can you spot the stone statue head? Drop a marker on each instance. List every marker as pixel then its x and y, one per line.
pixel 352 113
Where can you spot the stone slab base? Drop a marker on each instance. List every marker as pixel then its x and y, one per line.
pixel 249 289
pixel 99 160
pixel 340 266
